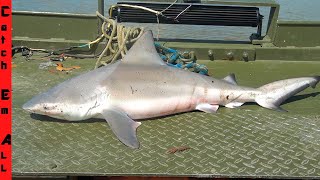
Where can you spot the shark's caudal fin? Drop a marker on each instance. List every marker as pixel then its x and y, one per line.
pixel 273 94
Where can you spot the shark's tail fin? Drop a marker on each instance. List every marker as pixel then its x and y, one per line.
pixel 273 94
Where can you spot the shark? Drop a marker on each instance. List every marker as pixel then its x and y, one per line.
pixel 142 86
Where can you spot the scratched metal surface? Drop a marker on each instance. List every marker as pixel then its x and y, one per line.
pixel 248 142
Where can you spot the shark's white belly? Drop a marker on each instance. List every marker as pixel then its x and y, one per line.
pixel 148 108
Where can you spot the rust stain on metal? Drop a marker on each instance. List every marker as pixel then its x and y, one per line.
pixel 178 149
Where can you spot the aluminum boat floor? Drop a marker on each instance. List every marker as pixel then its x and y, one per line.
pixel 249 141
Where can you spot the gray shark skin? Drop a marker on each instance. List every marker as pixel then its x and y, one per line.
pixel 142 86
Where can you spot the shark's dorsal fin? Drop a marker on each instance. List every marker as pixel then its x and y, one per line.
pixel 231 78
pixel 143 52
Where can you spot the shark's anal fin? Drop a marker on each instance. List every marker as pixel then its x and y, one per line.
pixel 122 126
pixel 208 108
pixel 233 104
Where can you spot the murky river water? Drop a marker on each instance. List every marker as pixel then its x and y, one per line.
pixel 290 10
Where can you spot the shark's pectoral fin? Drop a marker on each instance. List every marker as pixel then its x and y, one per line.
pixel 208 108
pixel 122 126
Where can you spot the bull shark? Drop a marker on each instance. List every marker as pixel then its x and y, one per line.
pixel 142 86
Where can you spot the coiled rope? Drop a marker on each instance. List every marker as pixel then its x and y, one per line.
pixel 118 38
pixel 186 60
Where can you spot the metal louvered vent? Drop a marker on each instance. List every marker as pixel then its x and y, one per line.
pixel 188 13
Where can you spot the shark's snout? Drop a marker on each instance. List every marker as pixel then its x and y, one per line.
pixel 41 108
pixel 34 104
pixel 29 106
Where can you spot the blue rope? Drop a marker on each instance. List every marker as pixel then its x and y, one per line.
pixel 174 59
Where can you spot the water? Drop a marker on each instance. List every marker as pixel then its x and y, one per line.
pixel 290 10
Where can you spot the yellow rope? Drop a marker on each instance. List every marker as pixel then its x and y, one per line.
pixel 95 41
pixel 117 41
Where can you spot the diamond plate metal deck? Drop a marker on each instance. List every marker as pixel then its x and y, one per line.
pixel 246 142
